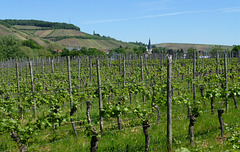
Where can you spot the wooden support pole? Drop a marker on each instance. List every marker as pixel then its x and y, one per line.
pixel 217 58
pixel 90 65
pixel 100 95
pixel 226 81
pixel 52 68
pixel 79 72
pixel 142 73
pixel 34 107
pixel 18 90
pixel 194 75
pixel 73 108
pixel 169 104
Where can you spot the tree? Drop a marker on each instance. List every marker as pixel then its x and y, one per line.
pixel 119 51
pixel 235 50
pixel 9 47
pixel 31 44
pixel 213 52
pixel 140 50
pixel 190 53
pixel 65 52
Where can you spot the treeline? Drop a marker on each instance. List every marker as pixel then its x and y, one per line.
pixel 43 24
pixel 82 51
pixel 126 50
pixel 96 52
pixel 138 43
pixel 58 38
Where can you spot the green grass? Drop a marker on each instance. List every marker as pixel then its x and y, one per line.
pixel 131 138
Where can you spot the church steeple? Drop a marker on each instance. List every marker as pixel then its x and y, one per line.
pixel 149 45
pixel 149 48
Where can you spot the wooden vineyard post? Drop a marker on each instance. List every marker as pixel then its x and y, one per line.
pixel 145 59
pixel 37 64
pixel 32 83
pixel 90 65
pixel 217 68
pixel 197 56
pixel 217 58
pixel 52 61
pixel 42 67
pixel 17 75
pixel 169 104
pixel 197 69
pixel 226 81
pixel 203 56
pixel 48 64
pixel 79 70
pixel 119 64
pixel 175 56
pixel 230 55
pixel 110 62
pixel 142 74
pixel 20 67
pixel 238 55
pixel 189 81
pixel 26 69
pixel 159 59
pixel 69 81
pixel 194 73
pixel 73 108
pixel 100 96
pixel 8 72
pixel 162 59
pixel 18 90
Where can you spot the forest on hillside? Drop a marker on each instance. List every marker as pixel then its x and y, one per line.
pixel 43 24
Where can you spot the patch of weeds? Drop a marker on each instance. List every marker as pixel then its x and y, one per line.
pixel 234 137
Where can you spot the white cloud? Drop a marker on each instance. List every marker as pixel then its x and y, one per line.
pixel 231 10
pixel 223 10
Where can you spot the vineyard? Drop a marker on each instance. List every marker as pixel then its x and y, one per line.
pixel 157 102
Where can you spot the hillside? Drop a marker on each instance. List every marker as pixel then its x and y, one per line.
pixel 186 46
pixel 50 32
pixel 21 35
pixel 69 35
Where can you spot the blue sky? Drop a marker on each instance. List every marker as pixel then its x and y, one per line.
pixel 176 21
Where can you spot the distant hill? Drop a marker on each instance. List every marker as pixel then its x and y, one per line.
pixel 68 35
pixel 185 46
